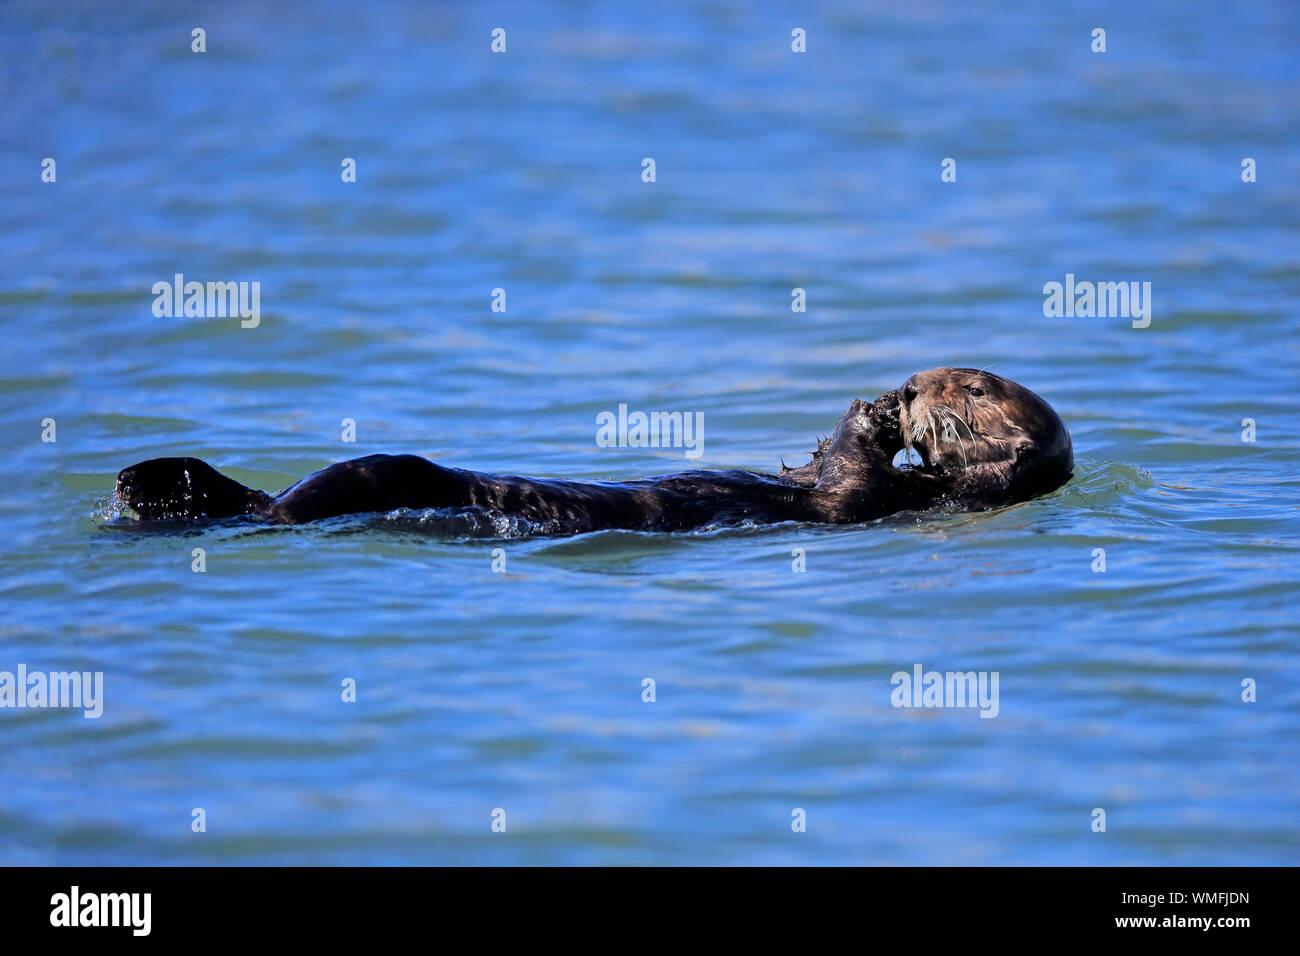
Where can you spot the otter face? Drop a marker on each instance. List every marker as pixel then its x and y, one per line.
pixel 180 488
pixel 963 421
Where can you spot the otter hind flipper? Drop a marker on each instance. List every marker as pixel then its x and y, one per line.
pixel 807 475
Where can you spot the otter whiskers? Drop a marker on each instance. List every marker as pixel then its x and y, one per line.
pixel 916 425
pixel 950 416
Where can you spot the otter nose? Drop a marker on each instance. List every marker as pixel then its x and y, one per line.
pixel 909 394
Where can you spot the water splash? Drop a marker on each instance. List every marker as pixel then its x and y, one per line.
pixel 109 508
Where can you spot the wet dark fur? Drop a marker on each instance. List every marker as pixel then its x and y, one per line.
pixel 850 479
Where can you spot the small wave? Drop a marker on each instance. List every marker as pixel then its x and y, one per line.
pixel 1099 483
pixel 469 523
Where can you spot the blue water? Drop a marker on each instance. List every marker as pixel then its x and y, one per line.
pixel 522 690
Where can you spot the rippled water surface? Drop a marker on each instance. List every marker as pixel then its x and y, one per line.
pixel 522 690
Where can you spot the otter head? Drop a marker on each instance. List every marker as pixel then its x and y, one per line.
pixel 990 434
pixel 184 488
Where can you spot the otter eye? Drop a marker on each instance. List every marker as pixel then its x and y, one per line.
pixel 974 389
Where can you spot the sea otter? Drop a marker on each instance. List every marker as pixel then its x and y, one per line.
pixel 982 439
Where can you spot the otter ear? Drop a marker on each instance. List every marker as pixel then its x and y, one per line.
pixel 1025 451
